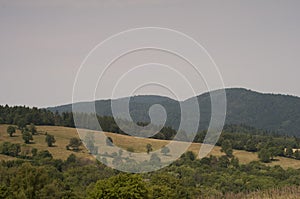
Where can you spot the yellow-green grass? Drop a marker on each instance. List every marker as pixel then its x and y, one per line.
pixel 289 192
pixel 6 158
pixel 63 135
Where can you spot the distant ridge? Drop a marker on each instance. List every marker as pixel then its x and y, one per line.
pixel 275 112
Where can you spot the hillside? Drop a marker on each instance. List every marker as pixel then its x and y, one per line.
pixel 63 135
pixel 280 113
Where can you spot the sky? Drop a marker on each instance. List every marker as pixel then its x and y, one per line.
pixel 254 43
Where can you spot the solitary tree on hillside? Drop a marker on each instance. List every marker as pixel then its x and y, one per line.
pixel 44 154
pixel 21 123
pixel 227 148
pixel 149 148
pixel 11 130
pixel 165 150
pixel 264 155
pixel 251 145
pixel 32 129
pixel 75 143
pixel 27 137
pixel 155 160
pixel 50 140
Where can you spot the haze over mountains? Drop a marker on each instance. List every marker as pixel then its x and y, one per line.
pixel 274 112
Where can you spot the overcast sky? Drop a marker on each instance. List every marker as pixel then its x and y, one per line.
pixel 255 43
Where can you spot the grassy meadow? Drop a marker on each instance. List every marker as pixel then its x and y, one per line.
pixel 63 135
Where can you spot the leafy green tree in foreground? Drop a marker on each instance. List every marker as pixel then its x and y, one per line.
pixel 11 130
pixel 120 186
pixel 27 136
pixel 50 140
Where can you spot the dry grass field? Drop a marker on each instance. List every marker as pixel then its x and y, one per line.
pixel 63 135
pixel 289 192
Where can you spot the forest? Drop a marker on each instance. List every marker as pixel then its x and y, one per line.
pixel 188 177
pixel 38 175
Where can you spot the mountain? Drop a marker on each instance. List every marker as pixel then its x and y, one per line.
pixel 274 112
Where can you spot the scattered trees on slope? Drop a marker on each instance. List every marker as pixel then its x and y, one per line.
pixel 27 136
pixel 74 144
pixel 148 148
pixel 226 147
pixel 50 140
pixel 11 130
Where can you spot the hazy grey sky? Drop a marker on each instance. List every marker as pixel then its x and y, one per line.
pixel 42 43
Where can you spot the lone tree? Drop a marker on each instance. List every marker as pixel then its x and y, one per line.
pixel 165 150
pixel 297 154
pixel 149 148
pixel 227 148
pixel 21 123
pixel 11 130
pixel 32 129
pixel 43 155
pixel 289 152
pixel 75 143
pixel 264 155
pixel 27 137
pixel 50 140
pixel 155 160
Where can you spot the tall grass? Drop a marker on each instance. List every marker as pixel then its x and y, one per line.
pixel 288 192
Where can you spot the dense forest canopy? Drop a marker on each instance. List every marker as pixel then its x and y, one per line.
pixel 272 112
pixel 41 176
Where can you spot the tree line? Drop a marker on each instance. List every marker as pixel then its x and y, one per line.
pixel 269 145
pixel 21 116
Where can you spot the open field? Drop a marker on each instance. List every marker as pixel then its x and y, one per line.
pixel 289 192
pixel 63 135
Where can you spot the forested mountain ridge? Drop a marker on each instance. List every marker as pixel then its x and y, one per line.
pixel 274 112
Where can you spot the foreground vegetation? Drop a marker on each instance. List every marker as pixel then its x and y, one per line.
pixel 55 172
pixel 188 177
